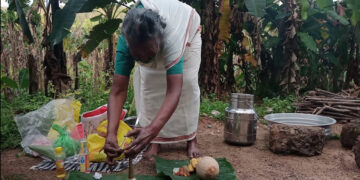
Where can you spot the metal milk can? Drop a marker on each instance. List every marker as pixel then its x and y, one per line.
pixel 241 120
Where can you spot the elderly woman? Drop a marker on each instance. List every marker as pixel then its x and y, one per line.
pixel 163 37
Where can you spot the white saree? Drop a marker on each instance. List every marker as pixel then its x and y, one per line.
pixel 182 38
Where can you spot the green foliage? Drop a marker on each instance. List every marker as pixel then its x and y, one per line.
pixel 354 5
pixel 99 33
pixel 63 20
pixel 341 19
pixel 92 94
pixel 305 5
pixel 275 105
pixel 256 7
pixel 24 79
pixel 7 82
pixel 24 24
pixel 308 41
pixel 212 103
pixel 325 4
pixel 93 4
pixel 22 103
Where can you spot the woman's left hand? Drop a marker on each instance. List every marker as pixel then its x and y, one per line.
pixel 143 138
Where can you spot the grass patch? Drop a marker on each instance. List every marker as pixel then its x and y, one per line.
pixel 275 105
pixel 213 104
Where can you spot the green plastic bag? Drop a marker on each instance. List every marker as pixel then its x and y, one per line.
pixel 70 146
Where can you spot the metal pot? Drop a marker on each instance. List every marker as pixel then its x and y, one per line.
pixel 241 120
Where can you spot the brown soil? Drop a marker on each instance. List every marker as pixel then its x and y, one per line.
pixel 249 162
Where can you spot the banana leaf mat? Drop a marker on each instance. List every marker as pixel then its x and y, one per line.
pixel 164 169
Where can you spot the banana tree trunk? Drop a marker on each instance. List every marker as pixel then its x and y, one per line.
pixel 55 63
pixel 209 70
pixel 109 58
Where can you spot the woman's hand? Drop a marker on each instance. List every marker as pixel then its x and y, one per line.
pixel 112 149
pixel 143 138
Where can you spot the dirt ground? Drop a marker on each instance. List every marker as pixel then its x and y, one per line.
pixel 249 162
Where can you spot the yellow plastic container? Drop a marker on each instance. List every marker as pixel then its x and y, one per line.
pixel 60 170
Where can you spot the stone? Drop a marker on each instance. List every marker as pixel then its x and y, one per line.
pixel 349 133
pixel 301 140
pixel 356 150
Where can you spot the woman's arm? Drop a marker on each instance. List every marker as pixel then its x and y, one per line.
pixel 116 102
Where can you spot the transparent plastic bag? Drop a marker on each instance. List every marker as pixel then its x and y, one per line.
pixel 35 126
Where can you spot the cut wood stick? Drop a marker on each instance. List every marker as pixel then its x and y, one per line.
pixel 348 107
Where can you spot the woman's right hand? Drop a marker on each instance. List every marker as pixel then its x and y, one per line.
pixel 112 149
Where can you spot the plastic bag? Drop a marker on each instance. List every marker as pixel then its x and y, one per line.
pixel 91 119
pixel 35 125
pixel 78 132
pixel 76 106
pixel 70 147
pixel 64 117
pixel 96 142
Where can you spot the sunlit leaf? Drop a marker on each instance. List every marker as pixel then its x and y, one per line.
pixel 96 18
pixel 98 34
pixel 304 9
pixel 341 19
pixel 308 41
pixel 256 7
pixel 23 23
pixel 354 5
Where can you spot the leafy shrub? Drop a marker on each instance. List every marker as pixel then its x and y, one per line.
pixel 275 105
pixel 212 103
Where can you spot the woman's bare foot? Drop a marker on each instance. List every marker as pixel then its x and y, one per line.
pixel 193 151
pixel 151 151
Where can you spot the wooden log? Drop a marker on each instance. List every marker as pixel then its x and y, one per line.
pixel 303 140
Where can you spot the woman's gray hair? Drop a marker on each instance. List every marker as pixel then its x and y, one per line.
pixel 141 24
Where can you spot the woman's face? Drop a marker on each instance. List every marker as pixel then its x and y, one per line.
pixel 145 51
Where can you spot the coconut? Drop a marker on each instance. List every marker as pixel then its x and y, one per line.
pixel 207 168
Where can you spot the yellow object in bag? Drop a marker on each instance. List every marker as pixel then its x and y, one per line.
pixel 96 143
pixel 76 105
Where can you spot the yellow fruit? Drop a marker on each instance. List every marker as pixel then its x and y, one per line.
pixel 191 168
pixel 194 161
pixel 207 168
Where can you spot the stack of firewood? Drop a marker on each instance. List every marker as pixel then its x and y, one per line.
pixel 343 106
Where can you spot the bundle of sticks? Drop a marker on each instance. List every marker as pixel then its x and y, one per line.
pixel 343 107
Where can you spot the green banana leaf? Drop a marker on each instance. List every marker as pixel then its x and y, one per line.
pixel 256 7
pixel 47 151
pixel 75 175
pixel 164 166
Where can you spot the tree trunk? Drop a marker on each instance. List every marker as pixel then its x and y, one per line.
pixel 209 70
pixel 55 63
pixel 109 56
pixel 34 81
pixel 76 60
pixel 353 65
pixel 230 79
